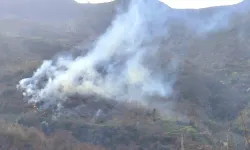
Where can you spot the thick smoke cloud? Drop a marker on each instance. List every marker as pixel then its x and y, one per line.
pixel 126 62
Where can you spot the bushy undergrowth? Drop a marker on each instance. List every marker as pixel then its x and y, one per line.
pixel 17 137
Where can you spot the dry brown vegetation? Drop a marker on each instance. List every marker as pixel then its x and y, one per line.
pixel 17 137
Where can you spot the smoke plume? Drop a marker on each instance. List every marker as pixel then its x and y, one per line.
pixel 128 62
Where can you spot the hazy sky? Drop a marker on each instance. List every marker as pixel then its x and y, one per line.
pixel 181 4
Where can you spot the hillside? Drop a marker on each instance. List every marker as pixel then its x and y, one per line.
pixel 209 108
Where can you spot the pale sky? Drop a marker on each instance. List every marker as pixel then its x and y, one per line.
pixel 181 4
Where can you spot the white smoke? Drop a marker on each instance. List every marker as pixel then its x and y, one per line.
pixel 123 65
pixel 114 68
